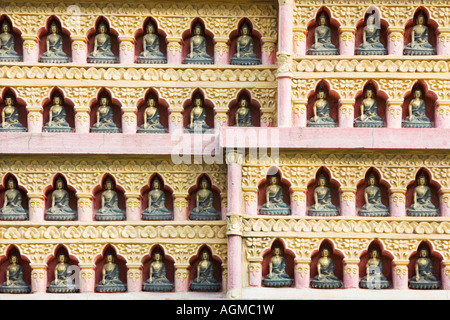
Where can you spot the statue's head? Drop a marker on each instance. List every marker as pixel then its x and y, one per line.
pixel 59 183
pixel 14 259
pixel 371 19
pixel 104 99
pixel 423 252
pixel 62 258
pixel 420 18
pixel 57 99
pixel 422 179
pixel 245 29
pixel 321 94
pixel 372 180
pixel 374 253
pixel 369 91
pixel 325 252
pixel 157 256
pixel 322 180
pixel 417 92
pixel 9 99
pixel 277 250
pixel 156 184
pixel 109 257
pixel 11 183
pixel 243 101
pixel 109 184
pixel 198 30
pixel 198 99
pixel 151 101
pixel 323 19
pixel 54 28
pixel 204 184
pixel 273 180
pixel 102 28
pixel 150 28
pixel 5 26
pixel 205 255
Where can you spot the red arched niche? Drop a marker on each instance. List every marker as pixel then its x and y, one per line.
pixel 98 190
pixel 140 33
pixel 161 105
pixel 207 104
pixel 18 103
pixel 363 184
pixel 256 36
pixel 430 23
pixel 63 32
pixel 262 187
pixel 4 188
pixel 68 105
pixel 168 261
pixel 330 95
pixel 332 23
pixel 17 34
pixel 436 260
pixel 73 201
pixel 53 260
pixel 195 260
pixel 24 262
pixel 428 96
pixel 217 203
pixel 253 105
pixel 380 96
pixel 383 24
pixel 288 255
pixel 385 257
pixel 335 255
pixel 433 185
pixel 113 103
pixel 100 261
pixel 331 183
pixel 112 33
pixel 209 36
pixel 168 193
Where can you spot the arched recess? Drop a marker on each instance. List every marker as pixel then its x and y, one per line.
pixel 253 105
pixel 67 103
pixel 216 262
pixel 429 22
pixel 22 190
pixel 48 191
pixel 331 96
pixel 141 32
pixel 379 95
pixel 115 105
pixel 381 23
pixel 429 97
pixel 208 105
pixel 168 192
pixel 19 103
pixel 331 22
pixel 63 32
pixel 24 262
pixel 432 184
pixel 286 253
pixel 331 183
pixel 98 190
pixel 192 192
pixel 264 183
pixel 187 34
pixel 168 261
pixel 336 255
pixel 385 256
pixel 16 33
pixel 53 260
pixel 100 261
pixel 161 104
pixel 363 184
pixel 91 33
pixel 255 34
pixel 435 257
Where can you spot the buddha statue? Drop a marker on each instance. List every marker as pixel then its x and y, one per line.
pixel 371 44
pixel 197 53
pixel 102 47
pixel 369 111
pixel 424 278
pixel 374 278
pixel 12 207
pixel 63 282
pixel 110 277
pixel 54 53
pixel 151 53
pixel 204 208
pixel 110 210
pixel 7 52
pixel 158 280
pixel 419 39
pixel 321 109
pixel 156 204
pixel 274 199
pixel 60 209
pixel 105 118
pixel 243 114
pixel 277 276
pixel 10 117
pixel 244 50
pixel 197 118
pixel 322 39
pixel 152 122
pixel 416 110
pixel 322 200
pixel 325 278
pixel 373 206
pixel 204 281
pixel 422 205
pixel 14 278
pixel 57 121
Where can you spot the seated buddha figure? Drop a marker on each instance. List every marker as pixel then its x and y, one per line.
pixel 151 53
pixel 10 117
pixel 322 200
pixel 373 206
pixel 7 52
pixel 152 123
pixel 57 121
pixel 110 277
pixel 63 282
pixel 197 53
pixel 424 278
pixel 277 276
pixel 156 204
pixel 244 52
pixel 422 205
pixel 12 207
pixel 204 204
pixel 416 112
pixel 321 111
pixel 369 111
pixel 54 53
pixel 197 117
pixel 14 278
pixel 243 114
pixel 325 278
pixel 274 204
pixel 322 39
pixel 204 281
pixel 109 210
pixel 158 280
pixel 374 278
pixel 105 118
pixel 419 39
pixel 60 209
pixel 371 39
pixel 102 52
